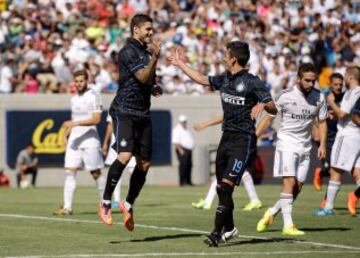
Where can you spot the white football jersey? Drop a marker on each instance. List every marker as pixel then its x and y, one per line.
pixel 82 108
pixel 297 116
pixel 346 126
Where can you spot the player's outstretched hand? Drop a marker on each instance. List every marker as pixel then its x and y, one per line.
pixel 155 48
pixel 174 57
pixel 156 91
pixel 257 110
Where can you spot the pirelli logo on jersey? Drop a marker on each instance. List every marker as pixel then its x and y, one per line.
pixel 231 99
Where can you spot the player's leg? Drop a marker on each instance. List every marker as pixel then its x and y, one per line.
pixel 248 183
pixel 353 197
pixel 124 146
pixel 73 161
pixel 238 150
pixel 110 158
pixel 206 204
pixel 143 152
pixel 93 162
pixel 220 164
pixel 271 212
pixel 342 159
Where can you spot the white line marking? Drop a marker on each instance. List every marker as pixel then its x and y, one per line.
pixel 177 229
pixel 286 252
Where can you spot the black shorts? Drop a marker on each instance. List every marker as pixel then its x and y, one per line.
pixel 235 153
pixel 133 134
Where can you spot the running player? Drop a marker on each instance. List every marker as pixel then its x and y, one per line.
pixel 83 144
pixel 299 107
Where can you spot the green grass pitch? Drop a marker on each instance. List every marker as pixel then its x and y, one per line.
pixel 167 226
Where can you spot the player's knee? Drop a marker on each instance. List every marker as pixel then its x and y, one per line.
pixel 224 192
pixel 335 174
pixel 124 157
pixel 70 171
pixel 142 164
pixel 95 173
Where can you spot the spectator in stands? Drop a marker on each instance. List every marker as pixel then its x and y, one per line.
pixel 283 33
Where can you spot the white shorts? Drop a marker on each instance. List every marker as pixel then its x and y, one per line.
pixel 291 164
pixel 345 153
pixel 110 157
pixel 89 158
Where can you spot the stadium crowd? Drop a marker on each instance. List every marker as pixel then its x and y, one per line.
pixel 44 41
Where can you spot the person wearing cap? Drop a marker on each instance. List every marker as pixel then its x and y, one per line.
pixel 184 144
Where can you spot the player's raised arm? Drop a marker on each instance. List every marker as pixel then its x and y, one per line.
pixel 207 123
pixel 144 75
pixel 194 75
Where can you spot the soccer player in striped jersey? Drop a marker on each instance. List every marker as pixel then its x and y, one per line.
pixel 240 92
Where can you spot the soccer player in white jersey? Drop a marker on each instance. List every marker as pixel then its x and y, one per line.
pixel 81 139
pixel 111 155
pixel 246 178
pixel 299 107
pixel 345 153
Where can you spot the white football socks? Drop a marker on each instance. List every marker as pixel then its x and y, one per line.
pixel 248 182
pixel 286 208
pixel 69 189
pixel 211 193
pixel 332 191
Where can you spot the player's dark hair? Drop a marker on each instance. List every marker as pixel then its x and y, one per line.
pixel 138 20
pixel 240 50
pixel 336 76
pixel 305 68
pixel 354 71
pixel 81 73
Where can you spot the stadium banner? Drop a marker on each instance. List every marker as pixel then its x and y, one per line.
pixel 43 129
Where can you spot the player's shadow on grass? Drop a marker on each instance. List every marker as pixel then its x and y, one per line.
pixel 259 241
pixel 158 238
pixel 316 229
pixel 326 229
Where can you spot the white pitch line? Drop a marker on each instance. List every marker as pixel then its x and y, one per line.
pixel 178 229
pixel 192 254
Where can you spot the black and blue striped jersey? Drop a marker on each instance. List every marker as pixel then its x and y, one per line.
pixel 239 93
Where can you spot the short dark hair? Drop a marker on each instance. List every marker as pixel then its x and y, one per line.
pixel 30 144
pixel 82 72
pixel 306 67
pixel 336 76
pixel 354 71
pixel 137 20
pixel 240 50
